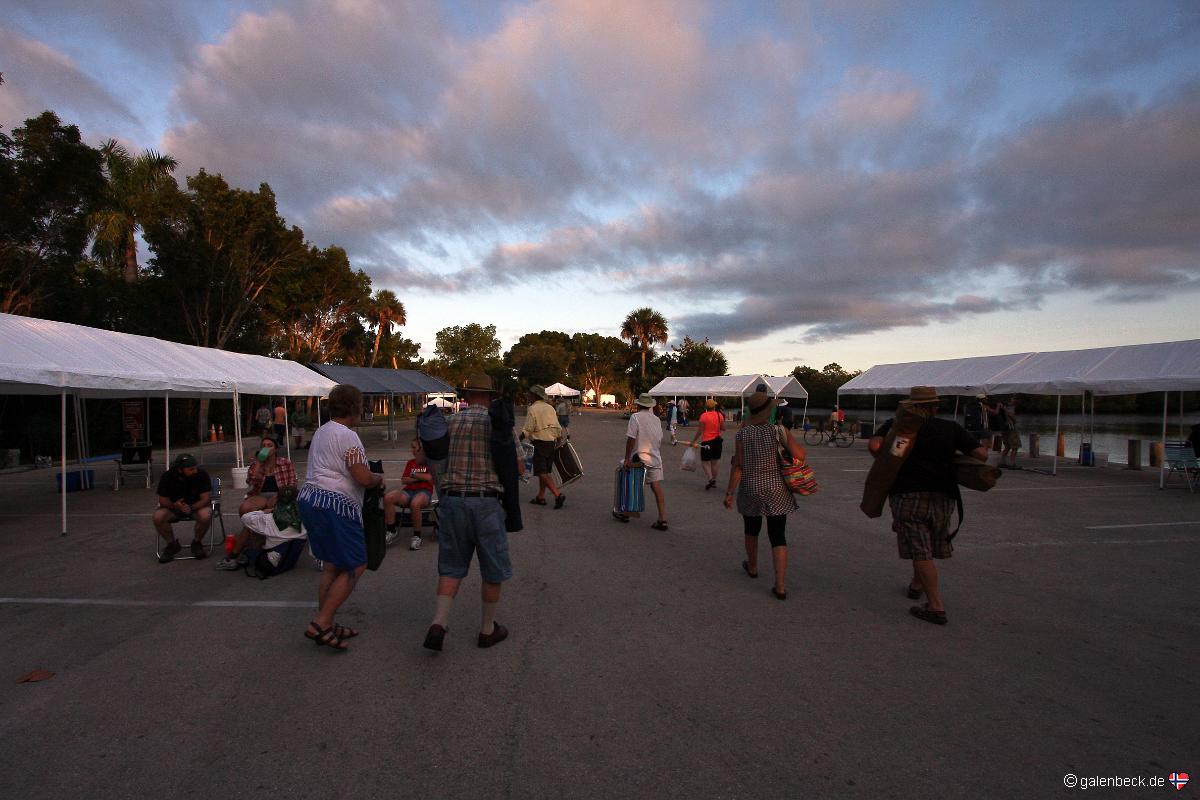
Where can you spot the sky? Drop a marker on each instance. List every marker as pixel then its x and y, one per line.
pixel 801 183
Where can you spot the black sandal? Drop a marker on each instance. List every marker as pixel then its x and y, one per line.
pixel 619 517
pixel 778 594
pixel 746 567
pixel 661 525
pixel 537 501
pixel 913 594
pixel 344 632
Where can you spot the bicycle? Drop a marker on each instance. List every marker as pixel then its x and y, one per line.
pixel 841 437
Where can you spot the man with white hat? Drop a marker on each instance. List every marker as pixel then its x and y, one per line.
pixel 542 429
pixel 643 440
pixel 922 496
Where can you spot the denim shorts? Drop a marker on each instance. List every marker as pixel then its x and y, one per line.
pixel 411 494
pixel 470 525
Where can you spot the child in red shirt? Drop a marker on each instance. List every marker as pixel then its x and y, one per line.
pixel 416 495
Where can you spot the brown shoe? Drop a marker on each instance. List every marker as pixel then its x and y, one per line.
pixel 928 614
pixel 499 634
pixel 433 639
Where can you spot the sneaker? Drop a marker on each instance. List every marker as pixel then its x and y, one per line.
pixel 228 564
pixel 390 537
pixel 415 544
pixel 243 559
pixel 168 552
pixel 499 634
pixel 198 551
pixel 318 564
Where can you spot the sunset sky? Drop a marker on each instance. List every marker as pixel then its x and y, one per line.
pixel 858 181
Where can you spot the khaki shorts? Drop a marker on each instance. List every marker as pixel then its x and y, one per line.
pixel 921 521
pixel 1012 440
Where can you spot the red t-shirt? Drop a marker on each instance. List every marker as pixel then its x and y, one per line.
pixel 710 425
pixel 414 470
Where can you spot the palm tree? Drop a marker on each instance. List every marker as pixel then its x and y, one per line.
pixel 130 180
pixel 644 327
pixel 384 311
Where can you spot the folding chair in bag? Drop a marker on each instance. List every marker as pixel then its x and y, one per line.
pixel 213 537
pixel 135 459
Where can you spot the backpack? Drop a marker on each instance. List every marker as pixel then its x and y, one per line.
pixel 267 562
pixel 433 433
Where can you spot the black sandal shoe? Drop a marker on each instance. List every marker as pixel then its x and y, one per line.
pixel 329 638
pixel 778 594
pixel 928 614
pixel 661 525
pixel 619 517
pixel 344 632
pixel 746 567
pixel 537 501
pixel 314 637
pixel 914 594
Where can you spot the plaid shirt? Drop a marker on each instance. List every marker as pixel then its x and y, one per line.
pixel 470 461
pixel 285 475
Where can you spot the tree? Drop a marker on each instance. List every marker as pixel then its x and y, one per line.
pixel 49 182
pixel 692 358
pixel 598 361
pixel 822 386
pixel 314 305
pixel 216 249
pixel 644 327
pixel 384 311
pixel 131 180
pixel 540 358
pixel 464 349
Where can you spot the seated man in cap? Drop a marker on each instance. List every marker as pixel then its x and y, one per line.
pixel 183 495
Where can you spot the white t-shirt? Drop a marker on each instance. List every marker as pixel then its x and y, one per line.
pixel 646 431
pixel 333 450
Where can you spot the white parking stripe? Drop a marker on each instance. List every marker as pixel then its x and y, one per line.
pixel 83 601
pixel 1141 525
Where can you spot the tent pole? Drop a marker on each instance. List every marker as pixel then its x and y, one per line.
pixel 956 407
pixel 804 416
pixel 874 412
pixel 237 428
pixel 63 417
pixel 1162 462
pixel 1057 416
pixel 167 427
pixel 287 431
pixel 391 404
pixel 1181 415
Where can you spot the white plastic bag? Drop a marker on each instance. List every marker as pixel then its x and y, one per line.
pixel 691 459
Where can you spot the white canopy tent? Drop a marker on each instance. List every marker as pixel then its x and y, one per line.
pixel 787 387
pixel 1125 369
pixel 561 390
pixel 715 386
pixel 43 357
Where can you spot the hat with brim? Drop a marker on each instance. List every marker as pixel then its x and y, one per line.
pixel 981 396
pixel 710 404
pixel 646 401
pixel 479 382
pixel 921 395
pixel 538 392
pixel 759 405
pixel 185 460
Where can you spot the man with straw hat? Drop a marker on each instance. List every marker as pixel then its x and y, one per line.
pixel 922 496
pixel 543 430
pixel 471 517
pixel 643 440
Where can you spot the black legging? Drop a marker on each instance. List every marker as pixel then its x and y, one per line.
pixel 775 528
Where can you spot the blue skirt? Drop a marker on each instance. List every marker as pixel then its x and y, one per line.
pixel 334 525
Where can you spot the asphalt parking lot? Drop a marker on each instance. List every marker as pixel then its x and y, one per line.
pixel 640 663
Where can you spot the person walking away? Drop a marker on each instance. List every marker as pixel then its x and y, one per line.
pixel 416 494
pixel 471 518
pixel 756 478
pixel 975 418
pixel 435 440
pixel 672 419
pixel 330 504
pixel 563 411
pixel 997 422
pixel 1012 436
pixel 643 440
pixel 280 418
pixel 542 428
pixel 922 497
pixel 262 420
pixel 708 435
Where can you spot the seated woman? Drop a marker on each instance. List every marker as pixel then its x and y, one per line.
pixel 416 495
pixel 269 473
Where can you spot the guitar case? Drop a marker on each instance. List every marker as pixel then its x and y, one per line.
pixel 897 446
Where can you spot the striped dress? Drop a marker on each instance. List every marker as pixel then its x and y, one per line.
pixel 762 492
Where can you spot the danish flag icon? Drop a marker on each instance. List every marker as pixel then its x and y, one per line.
pixel 1179 779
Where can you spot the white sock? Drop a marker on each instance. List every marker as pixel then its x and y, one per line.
pixel 489 619
pixel 442 615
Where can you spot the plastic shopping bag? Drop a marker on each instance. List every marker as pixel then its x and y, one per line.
pixel 691 459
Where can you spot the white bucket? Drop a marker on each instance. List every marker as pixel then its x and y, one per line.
pixel 239 477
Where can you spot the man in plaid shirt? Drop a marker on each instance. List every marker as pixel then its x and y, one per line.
pixel 470 517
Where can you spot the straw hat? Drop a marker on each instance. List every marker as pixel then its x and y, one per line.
pixel 981 396
pixel 759 405
pixel 646 401
pixel 921 395
pixel 710 404
pixel 479 382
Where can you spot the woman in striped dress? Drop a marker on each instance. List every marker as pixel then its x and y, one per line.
pixel 759 486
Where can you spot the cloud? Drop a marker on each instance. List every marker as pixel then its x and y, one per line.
pixel 37 77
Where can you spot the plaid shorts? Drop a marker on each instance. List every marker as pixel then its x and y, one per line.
pixel 921 521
